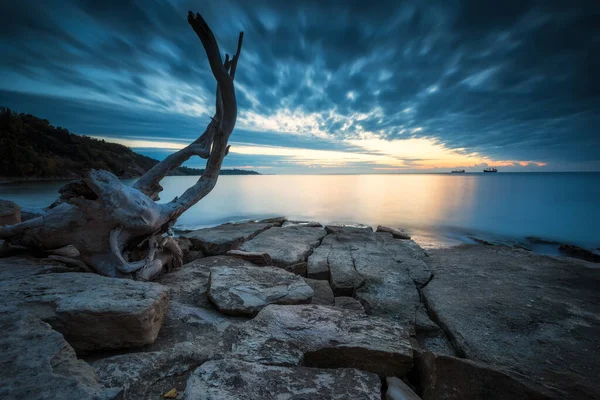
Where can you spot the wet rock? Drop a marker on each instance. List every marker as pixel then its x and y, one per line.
pixel 579 252
pixel 310 224
pixel 349 303
pixel 38 363
pixel 336 227
pixel 255 258
pixel 286 246
pixel 451 378
pixel 533 315
pixel 396 233
pixel 276 221
pixel 321 337
pixel 398 390
pixel 92 312
pixel 246 290
pixel 229 379
pixel 323 293
pixel 10 213
pixel 189 284
pixel 220 239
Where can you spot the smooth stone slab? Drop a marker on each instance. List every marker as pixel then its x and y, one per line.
pixel 286 246
pixel 246 290
pixel 322 337
pixel 38 363
pixel 323 293
pixel 534 315
pixel 220 239
pixel 92 312
pixel 237 380
pixel 451 378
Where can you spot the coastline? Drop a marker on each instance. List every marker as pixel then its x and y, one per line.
pixel 392 317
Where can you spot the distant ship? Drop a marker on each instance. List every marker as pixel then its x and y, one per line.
pixel 458 171
pixel 491 169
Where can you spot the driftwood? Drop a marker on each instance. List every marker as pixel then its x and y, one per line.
pixel 120 231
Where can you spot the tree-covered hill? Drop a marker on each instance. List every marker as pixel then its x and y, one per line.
pixel 32 148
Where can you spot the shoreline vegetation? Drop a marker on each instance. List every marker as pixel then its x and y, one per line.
pixel 31 149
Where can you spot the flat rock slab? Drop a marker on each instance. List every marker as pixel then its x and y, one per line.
pixel 321 337
pixel 236 380
pixel 189 284
pixel 92 312
pixel 247 290
pixel 220 239
pixel 535 315
pixel 451 378
pixel 381 272
pixel 38 363
pixel 286 246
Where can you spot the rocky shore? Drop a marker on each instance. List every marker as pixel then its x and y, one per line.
pixel 279 309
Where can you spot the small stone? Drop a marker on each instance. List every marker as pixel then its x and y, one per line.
pixel 171 394
pixel 398 390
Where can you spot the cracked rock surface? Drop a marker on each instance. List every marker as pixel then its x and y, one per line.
pixel 246 290
pixel 322 337
pixel 237 380
pixel 534 315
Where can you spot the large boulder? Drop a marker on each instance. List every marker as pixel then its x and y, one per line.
pixel 220 239
pixel 450 378
pixel 38 363
pixel 287 246
pixel 236 380
pixel 92 312
pixel 247 290
pixel 533 315
pixel 321 337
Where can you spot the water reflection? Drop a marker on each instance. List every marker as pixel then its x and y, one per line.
pixel 436 207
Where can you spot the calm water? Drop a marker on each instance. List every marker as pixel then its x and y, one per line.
pixel 437 209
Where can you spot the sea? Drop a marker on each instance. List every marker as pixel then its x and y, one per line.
pixel 437 210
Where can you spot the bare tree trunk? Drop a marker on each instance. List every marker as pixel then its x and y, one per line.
pixel 109 223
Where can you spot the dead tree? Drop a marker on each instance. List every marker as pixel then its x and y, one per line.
pixel 120 230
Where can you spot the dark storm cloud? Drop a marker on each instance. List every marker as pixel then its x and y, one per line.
pixel 511 80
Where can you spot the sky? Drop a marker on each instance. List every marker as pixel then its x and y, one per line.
pixel 338 86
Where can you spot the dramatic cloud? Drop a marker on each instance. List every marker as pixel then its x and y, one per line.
pixel 337 86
